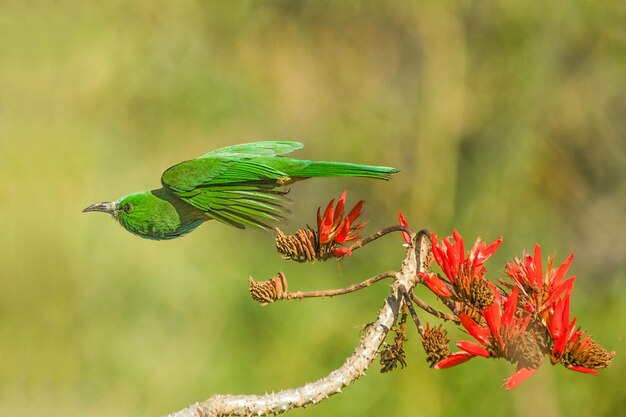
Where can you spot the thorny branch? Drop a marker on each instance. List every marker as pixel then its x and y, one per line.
pixel 353 367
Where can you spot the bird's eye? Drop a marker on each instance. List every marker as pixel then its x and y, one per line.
pixel 127 208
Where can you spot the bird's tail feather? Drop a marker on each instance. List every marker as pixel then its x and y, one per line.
pixel 343 169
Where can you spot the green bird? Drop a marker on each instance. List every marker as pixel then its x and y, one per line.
pixel 241 185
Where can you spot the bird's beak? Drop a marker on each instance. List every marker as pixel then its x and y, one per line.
pixel 106 207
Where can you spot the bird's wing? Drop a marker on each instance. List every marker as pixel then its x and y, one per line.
pixel 256 149
pixel 234 190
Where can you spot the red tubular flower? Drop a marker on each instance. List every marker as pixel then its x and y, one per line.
pixel 454 360
pixel 560 328
pixel 472 348
pixel 478 332
pixel 335 228
pixel 541 290
pixel 403 222
pixel 583 370
pixel 435 284
pixel 520 375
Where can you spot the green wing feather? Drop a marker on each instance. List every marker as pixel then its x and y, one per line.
pixel 230 185
pixel 241 185
pixel 256 149
pixel 239 205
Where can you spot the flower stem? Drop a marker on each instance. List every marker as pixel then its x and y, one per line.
pixel 409 304
pixel 395 228
pixel 429 309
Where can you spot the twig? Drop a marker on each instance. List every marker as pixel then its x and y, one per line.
pixel 339 291
pixel 429 309
pixel 402 326
pixel 451 305
pixel 353 367
pixel 396 228
pixel 416 320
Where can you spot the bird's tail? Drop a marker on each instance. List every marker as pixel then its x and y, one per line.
pixel 342 169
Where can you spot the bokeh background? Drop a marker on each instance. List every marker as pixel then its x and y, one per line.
pixel 506 118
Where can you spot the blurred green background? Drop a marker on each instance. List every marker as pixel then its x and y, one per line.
pixel 506 118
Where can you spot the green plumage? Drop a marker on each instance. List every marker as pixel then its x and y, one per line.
pixel 241 185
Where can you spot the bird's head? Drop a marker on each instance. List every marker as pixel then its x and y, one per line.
pixel 135 212
pixel 120 208
pixel 152 214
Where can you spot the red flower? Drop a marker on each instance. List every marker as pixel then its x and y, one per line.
pixel 582 368
pixel 452 260
pixel 519 376
pixel 500 338
pixel 571 346
pixel 436 285
pixel 560 328
pixel 462 271
pixel 455 359
pixel 335 228
pixel 582 354
pixel 403 222
pixel 451 256
pixel 541 290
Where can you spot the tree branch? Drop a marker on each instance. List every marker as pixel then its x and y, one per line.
pixel 353 367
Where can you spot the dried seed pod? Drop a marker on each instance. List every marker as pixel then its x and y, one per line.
pixel 268 291
pixel 524 350
pixel 300 247
pixel 585 352
pixel 393 354
pixel 435 342
pixel 390 357
pixel 481 294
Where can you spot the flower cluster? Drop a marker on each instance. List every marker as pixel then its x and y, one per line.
pixel 334 229
pixel 541 291
pixel 464 282
pixel 505 336
pixel 520 322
